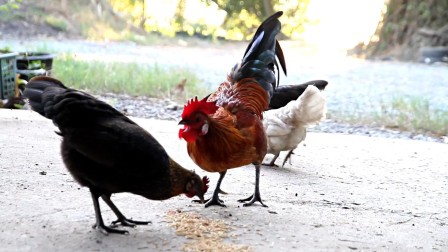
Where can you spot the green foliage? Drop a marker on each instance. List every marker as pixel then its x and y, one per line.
pixel 244 17
pixel 119 77
pixel 5 49
pixel 132 9
pixel 10 5
pixel 56 23
pixel 241 21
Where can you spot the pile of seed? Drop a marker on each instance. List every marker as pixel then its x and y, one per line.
pixel 204 234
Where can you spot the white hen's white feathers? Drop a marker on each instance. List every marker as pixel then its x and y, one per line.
pixel 286 127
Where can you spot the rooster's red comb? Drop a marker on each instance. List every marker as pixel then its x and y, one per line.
pixel 205 181
pixel 195 105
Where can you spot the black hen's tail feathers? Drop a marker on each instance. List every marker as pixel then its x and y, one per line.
pixel 35 89
pixel 259 61
pixel 65 106
pixel 286 93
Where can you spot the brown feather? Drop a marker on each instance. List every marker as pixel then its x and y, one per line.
pixel 236 126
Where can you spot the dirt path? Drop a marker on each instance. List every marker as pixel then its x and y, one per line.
pixel 341 193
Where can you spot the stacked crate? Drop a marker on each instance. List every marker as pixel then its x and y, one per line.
pixel 7 74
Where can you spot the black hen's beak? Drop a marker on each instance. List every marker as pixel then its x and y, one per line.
pixel 201 198
pixel 200 193
pixel 182 122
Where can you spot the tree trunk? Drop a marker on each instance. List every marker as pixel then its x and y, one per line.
pixel 268 8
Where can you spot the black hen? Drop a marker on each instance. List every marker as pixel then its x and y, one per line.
pixel 285 93
pixel 107 152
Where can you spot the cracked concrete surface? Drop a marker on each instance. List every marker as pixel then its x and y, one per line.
pixel 342 192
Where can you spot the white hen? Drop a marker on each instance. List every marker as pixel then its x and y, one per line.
pixel 286 126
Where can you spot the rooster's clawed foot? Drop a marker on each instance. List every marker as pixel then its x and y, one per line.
pixel 252 199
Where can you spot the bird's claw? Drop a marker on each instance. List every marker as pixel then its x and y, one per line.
pixel 252 199
pixel 211 202
pixel 288 156
pixel 128 222
pixel 214 201
pixel 107 230
pixel 270 164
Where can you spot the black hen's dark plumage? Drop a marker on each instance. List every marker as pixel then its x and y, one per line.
pixel 106 151
pixel 259 61
pixel 285 93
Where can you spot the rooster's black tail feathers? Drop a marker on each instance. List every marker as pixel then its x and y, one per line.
pixel 259 59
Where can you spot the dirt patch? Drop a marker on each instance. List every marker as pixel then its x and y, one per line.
pixel 24 29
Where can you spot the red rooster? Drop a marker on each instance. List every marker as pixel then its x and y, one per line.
pixel 225 129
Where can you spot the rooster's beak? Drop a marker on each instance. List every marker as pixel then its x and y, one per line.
pixel 182 122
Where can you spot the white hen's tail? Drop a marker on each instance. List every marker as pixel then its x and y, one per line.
pixel 309 109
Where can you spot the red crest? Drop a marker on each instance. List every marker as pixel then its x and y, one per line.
pixel 195 105
pixel 205 181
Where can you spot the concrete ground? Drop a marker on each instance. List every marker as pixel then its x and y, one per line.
pixel 341 192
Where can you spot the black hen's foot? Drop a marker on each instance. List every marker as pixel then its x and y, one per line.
pixel 252 199
pixel 128 222
pixel 107 230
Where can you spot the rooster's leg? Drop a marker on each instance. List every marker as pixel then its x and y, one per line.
pixel 288 156
pixel 120 217
pixel 256 196
pixel 215 200
pixel 272 163
pixel 99 219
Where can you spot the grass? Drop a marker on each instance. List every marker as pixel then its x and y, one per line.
pixel 130 78
pixel 405 113
pixel 413 113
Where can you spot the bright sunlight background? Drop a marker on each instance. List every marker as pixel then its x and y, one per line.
pixel 339 24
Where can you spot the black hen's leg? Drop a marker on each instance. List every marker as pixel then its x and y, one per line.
pixel 272 163
pixel 215 200
pixel 120 217
pixel 288 156
pixel 99 219
pixel 256 196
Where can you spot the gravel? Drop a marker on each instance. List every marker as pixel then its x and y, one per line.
pixel 166 109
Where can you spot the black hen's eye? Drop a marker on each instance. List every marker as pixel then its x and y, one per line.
pixel 197 120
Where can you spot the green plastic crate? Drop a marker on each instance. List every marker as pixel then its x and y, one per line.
pixel 7 74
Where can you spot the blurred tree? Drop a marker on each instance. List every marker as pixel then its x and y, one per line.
pixel 409 25
pixel 9 5
pixel 241 21
pixel 243 17
pixel 178 21
pixel 133 10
